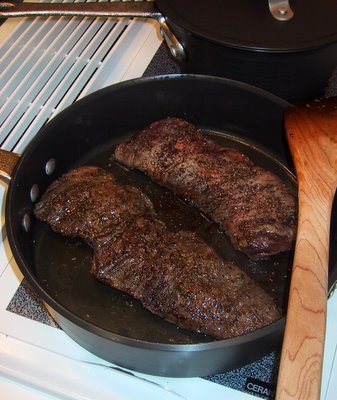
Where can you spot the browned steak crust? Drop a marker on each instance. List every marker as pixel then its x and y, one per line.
pixel 87 203
pixel 174 274
pixel 252 205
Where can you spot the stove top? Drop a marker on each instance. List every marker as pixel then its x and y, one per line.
pixel 46 65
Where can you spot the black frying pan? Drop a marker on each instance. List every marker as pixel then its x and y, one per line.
pixel 108 323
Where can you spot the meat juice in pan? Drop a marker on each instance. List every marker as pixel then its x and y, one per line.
pixel 118 312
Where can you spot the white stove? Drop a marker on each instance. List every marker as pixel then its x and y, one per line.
pixel 47 64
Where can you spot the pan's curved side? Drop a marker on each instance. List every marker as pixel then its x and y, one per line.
pixel 176 360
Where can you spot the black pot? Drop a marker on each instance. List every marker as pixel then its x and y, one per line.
pixel 241 40
pixel 237 39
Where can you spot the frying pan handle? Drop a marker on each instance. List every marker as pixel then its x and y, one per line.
pixel 8 161
pixel 125 9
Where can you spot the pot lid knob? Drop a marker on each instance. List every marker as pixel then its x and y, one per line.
pixel 280 10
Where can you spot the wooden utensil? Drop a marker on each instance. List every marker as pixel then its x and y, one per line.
pixel 312 137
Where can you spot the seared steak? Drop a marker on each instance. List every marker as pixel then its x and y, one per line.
pixel 175 275
pixel 87 203
pixel 252 205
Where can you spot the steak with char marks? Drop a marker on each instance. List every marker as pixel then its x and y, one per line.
pixel 175 275
pixel 253 206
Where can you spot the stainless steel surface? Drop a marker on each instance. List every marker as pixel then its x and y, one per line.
pixel 281 10
pixel 128 9
pixel 176 48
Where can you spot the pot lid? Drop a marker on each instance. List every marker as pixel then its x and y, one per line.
pixel 249 24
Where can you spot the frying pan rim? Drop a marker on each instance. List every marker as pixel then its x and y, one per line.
pixel 60 309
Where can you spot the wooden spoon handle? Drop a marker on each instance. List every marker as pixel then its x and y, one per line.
pixel 303 344
pixel 315 158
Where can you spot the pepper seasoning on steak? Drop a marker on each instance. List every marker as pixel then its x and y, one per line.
pixel 175 275
pixel 250 204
